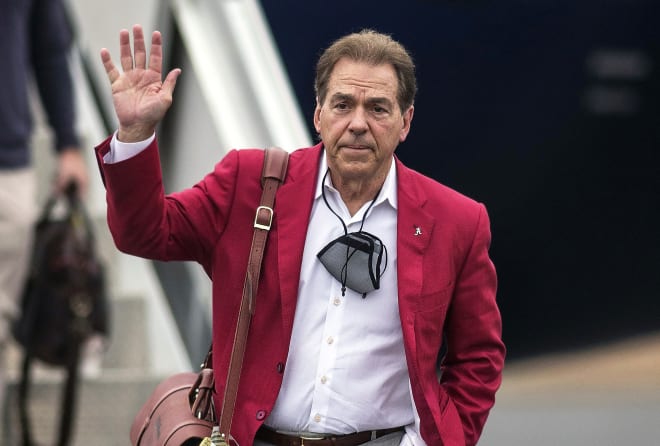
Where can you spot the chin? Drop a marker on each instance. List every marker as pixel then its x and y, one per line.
pixel 355 171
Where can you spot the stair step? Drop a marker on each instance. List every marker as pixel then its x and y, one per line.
pixel 127 340
pixel 105 409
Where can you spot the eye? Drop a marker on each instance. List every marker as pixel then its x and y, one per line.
pixel 380 110
pixel 341 106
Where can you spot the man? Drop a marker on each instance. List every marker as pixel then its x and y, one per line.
pixel 326 356
pixel 37 49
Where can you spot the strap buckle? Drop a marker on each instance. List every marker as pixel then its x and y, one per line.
pixel 261 225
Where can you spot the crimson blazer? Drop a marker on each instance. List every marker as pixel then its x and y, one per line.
pixel 446 280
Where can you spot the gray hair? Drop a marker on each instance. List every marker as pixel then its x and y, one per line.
pixel 373 48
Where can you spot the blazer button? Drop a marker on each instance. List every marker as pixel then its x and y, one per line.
pixel 280 367
pixel 261 415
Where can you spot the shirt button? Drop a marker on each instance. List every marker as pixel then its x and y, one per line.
pixel 280 367
pixel 317 418
pixel 336 301
pixel 261 415
pixel 324 379
pixel 330 340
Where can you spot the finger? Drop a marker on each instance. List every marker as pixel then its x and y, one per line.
pixel 156 53
pixel 109 66
pixel 170 81
pixel 125 55
pixel 140 50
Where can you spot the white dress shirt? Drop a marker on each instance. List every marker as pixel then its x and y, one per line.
pixel 346 370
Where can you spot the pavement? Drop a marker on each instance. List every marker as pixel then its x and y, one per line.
pixel 604 396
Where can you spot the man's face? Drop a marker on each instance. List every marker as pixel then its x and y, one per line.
pixel 360 121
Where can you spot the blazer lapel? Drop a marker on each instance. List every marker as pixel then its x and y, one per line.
pixel 292 211
pixel 415 227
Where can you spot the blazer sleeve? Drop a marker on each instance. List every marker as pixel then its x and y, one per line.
pixel 472 367
pixel 146 222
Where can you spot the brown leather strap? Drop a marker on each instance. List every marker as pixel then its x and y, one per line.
pixel 274 171
pixel 357 438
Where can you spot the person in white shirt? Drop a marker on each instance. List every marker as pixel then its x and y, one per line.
pixel 370 269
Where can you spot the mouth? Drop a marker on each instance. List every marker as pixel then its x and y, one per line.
pixel 355 147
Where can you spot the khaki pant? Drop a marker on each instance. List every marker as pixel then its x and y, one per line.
pixel 18 210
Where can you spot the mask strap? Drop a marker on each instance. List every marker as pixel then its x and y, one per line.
pixel 344 269
pixel 325 199
pixel 328 204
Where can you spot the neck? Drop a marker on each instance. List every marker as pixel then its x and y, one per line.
pixel 356 193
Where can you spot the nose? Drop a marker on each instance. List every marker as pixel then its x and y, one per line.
pixel 358 124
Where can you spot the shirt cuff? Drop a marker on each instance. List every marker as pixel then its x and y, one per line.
pixel 121 151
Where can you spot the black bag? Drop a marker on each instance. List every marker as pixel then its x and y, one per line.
pixel 64 298
pixel 64 302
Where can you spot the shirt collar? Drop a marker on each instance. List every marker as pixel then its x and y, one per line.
pixel 387 193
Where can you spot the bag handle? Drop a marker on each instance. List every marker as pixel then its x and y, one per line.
pixel 75 212
pixel 274 171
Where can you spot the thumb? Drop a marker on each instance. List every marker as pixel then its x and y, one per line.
pixel 170 81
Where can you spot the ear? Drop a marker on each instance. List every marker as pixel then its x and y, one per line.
pixel 407 119
pixel 317 116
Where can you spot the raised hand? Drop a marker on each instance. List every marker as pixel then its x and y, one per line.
pixel 139 94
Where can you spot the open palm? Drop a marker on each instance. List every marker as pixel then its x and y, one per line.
pixel 139 94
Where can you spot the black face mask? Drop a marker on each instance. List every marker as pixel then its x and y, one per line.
pixel 355 258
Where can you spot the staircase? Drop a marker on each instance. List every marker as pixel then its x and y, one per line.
pixel 117 374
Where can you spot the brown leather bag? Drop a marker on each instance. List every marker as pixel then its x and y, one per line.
pixel 180 411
